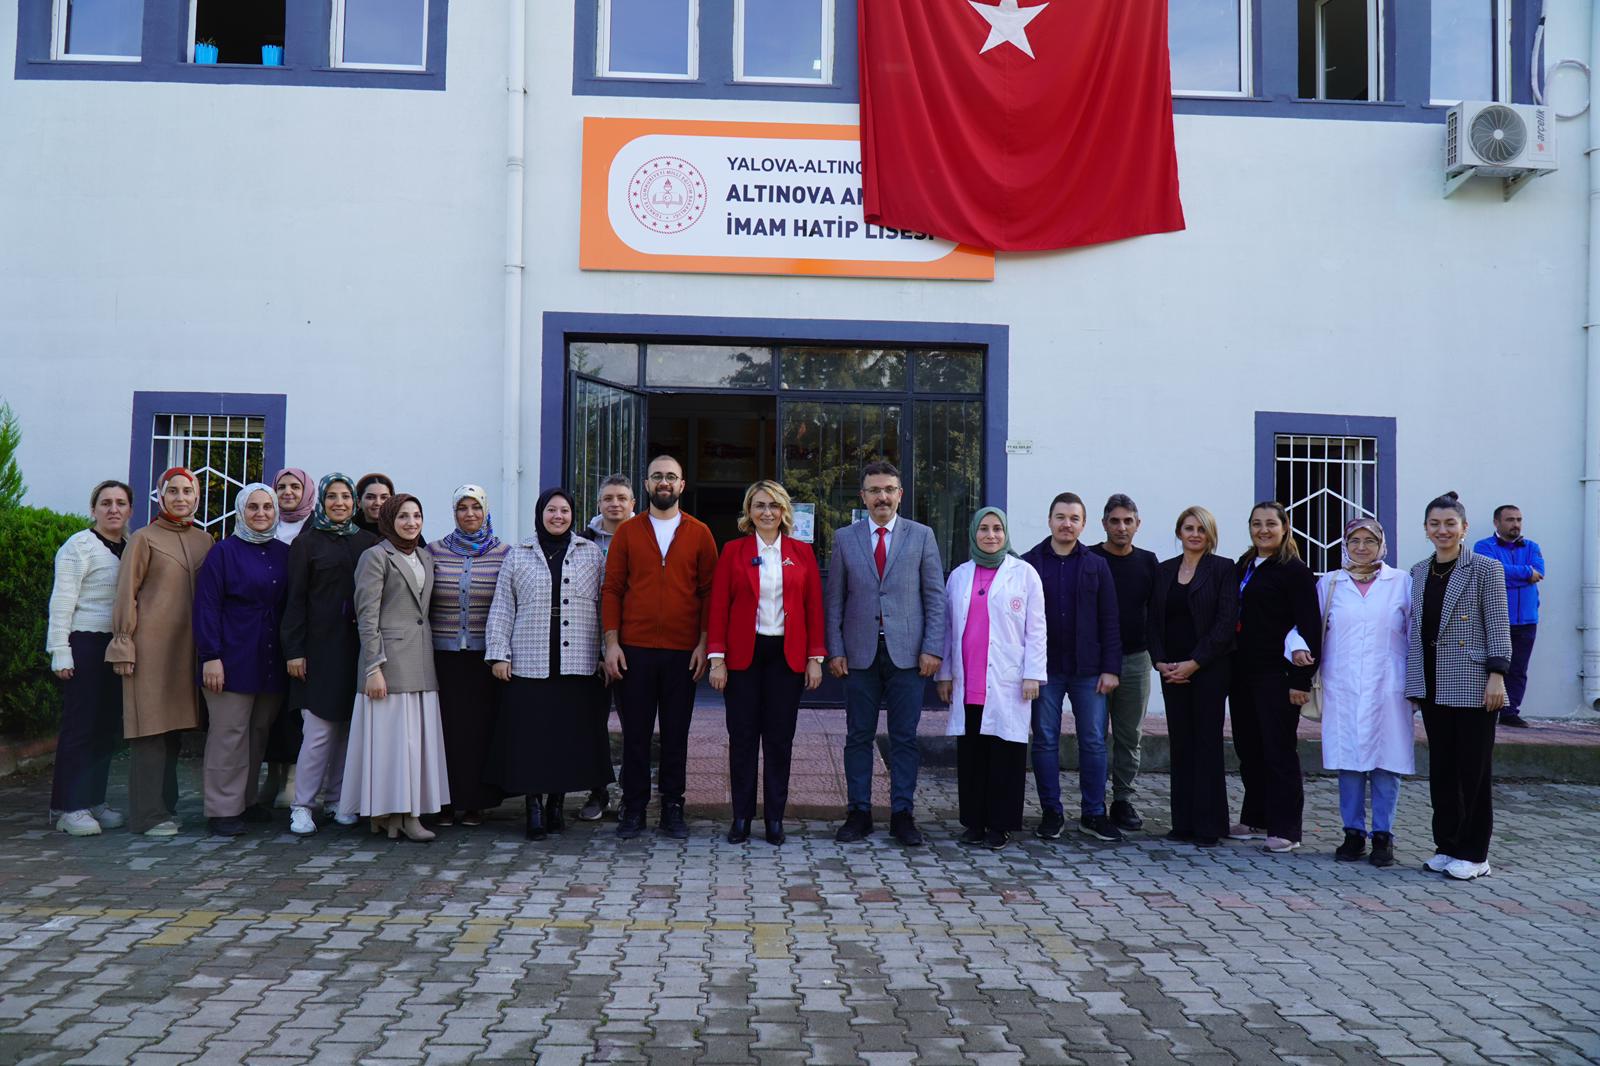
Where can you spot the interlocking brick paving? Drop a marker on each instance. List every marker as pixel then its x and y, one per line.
pixel 480 947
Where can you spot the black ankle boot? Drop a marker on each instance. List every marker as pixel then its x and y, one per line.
pixel 1354 846
pixel 1382 849
pixel 535 829
pixel 739 831
pixel 555 820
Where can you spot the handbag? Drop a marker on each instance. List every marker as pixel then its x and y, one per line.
pixel 1312 708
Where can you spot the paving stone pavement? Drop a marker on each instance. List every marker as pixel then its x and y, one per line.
pixel 479 947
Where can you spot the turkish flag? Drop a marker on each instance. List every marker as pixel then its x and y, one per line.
pixel 1018 125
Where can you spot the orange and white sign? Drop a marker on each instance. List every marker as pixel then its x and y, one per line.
pixel 744 198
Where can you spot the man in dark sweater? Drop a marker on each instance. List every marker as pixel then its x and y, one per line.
pixel 1133 571
pixel 1083 657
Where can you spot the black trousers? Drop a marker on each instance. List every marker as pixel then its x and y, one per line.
pixel 1266 738
pixel 991 777
pixel 91 726
pixel 763 706
pixel 1197 772
pixel 657 682
pixel 152 780
pixel 1460 778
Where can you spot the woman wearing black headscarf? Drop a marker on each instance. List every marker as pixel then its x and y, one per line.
pixel 543 640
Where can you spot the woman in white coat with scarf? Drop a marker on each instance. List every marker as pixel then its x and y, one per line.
pixel 994 663
pixel 1366 718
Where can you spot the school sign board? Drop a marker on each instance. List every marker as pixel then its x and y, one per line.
pixel 744 198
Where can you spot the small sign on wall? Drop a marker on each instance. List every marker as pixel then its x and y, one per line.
pixel 744 198
pixel 1019 447
pixel 805 522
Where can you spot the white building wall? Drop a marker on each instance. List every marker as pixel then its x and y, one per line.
pixel 349 254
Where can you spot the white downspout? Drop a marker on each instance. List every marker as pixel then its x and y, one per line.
pixel 1591 427
pixel 510 502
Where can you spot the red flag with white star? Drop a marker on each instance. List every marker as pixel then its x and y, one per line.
pixel 1018 125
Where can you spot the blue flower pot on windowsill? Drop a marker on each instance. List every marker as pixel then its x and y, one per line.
pixel 205 53
pixel 272 55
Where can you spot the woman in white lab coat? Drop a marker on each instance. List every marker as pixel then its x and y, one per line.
pixel 994 663
pixel 1366 719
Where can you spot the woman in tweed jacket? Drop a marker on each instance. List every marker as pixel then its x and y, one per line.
pixel 543 639
pixel 1459 653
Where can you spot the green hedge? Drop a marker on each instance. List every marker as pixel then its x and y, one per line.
pixel 30 696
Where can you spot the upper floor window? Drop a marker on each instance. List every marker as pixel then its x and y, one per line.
pixel 106 30
pixel 380 34
pixel 1210 45
pixel 1471 48
pixel 649 39
pixel 1341 53
pixel 225 31
pixel 783 41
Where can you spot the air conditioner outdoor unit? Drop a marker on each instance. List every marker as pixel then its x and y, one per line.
pixel 1513 142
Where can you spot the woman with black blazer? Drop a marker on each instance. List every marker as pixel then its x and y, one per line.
pixel 1277 593
pixel 321 646
pixel 1456 672
pixel 765 644
pixel 1191 630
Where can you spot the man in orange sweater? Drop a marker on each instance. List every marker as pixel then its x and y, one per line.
pixel 654 610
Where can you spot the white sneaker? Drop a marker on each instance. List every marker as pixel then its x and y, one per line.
pixel 1240 831
pixel 1439 863
pixel 346 819
pixel 1281 845
pixel 108 817
pixel 1466 869
pixel 300 821
pixel 78 824
pixel 169 828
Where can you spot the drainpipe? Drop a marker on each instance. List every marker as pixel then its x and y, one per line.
pixel 1591 427
pixel 510 504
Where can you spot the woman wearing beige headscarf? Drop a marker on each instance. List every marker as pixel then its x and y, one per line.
pixel 152 648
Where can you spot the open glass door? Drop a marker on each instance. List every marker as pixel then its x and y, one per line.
pixel 605 435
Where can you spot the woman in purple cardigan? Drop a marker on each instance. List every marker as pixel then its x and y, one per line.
pixel 238 607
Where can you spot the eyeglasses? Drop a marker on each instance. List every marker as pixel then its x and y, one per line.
pixel 766 507
pixel 664 479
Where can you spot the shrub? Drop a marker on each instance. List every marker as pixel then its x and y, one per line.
pixel 11 485
pixel 30 696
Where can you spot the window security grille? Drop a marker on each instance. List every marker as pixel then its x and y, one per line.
pixel 1325 481
pixel 226 453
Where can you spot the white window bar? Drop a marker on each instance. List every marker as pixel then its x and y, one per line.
pixel 1324 481
pixel 1375 31
pixel 225 452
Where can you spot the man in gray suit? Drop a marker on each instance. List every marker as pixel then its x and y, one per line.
pixel 885 627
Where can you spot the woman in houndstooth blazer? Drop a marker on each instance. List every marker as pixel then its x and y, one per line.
pixel 1459 653
pixel 543 640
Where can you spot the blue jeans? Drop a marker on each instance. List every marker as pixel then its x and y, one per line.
pixel 1353 799
pixel 864 691
pixel 1089 712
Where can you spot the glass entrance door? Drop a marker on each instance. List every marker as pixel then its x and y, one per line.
pixel 606 435
pixel 824 446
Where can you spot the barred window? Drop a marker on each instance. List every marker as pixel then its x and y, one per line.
pixel 226 453
pixel 1324 481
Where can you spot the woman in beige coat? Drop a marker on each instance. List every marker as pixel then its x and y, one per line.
pixel 394 769
pixel 152 649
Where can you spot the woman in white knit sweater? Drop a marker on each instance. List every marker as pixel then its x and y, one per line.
pixel 79 630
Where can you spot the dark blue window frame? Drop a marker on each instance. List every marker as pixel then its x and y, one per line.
pixel 1275 50
pixel 559 326
pixel 1271 423
pixel 165 52
pixel 270 407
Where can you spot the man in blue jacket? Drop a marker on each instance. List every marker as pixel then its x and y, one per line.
pixel 1524 567
pixel 1083 635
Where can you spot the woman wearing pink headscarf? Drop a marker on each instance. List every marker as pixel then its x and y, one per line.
pixel 152 649
pixel 296 500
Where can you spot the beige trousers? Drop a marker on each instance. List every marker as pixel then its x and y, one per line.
pixel 235 745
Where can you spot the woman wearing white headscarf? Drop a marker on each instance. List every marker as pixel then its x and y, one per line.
pixel 238 606
pixel 1366 720
pixel 466 565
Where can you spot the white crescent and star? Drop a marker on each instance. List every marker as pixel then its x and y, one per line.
pixel 1008 24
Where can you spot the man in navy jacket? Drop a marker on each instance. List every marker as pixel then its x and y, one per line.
pixel 1084 663
pixel 1524 566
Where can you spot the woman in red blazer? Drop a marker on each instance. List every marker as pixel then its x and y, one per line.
pixel 765 643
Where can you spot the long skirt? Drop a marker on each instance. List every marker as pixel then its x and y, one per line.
pixel 395 763
pixel 550 735
pixel 468 694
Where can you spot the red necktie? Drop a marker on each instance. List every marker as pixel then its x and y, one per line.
pixel 880 554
